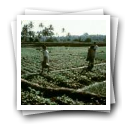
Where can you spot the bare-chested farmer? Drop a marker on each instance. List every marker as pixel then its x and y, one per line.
pixel 91 56
pixel 45 62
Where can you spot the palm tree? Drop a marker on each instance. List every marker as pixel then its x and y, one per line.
pixel 38 34
pixel 51 28
pixel 41 25
pixel 68 36
pixel 45 32
pixel 50 33
pixel 24 32
pixel 63 30
pixel 30 25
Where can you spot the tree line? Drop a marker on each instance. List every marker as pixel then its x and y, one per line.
pixel 46 34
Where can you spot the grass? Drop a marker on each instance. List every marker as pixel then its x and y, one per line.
pixel 63 58
pixel 99 88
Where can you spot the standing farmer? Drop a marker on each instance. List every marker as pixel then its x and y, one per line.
pixel 45 62
pixel 91 56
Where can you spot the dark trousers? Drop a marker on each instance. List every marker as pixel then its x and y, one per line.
pixel 91 64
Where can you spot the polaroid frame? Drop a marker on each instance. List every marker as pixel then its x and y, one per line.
pixel 63 107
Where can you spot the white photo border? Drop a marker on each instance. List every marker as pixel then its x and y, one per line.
pixel 63 17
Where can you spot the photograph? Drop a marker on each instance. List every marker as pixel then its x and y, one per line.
pixel 63 62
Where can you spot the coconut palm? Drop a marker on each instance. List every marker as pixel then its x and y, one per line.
pixel 51 28
pixel 68 36
pixel 30 25
pixel 45 32
pixel 50 33
pixel 41 25
pixel 63 30
pixel 38 34
pixel 24 31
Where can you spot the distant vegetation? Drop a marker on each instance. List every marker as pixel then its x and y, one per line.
pixel 47 34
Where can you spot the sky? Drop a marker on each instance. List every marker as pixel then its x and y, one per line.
pixel 74 27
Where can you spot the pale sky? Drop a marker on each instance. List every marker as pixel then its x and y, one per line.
pixel 74 27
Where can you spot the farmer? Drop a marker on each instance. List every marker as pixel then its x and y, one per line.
pixel 91 56
pixel 45 62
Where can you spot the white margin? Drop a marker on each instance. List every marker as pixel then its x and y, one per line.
pixel 63 107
